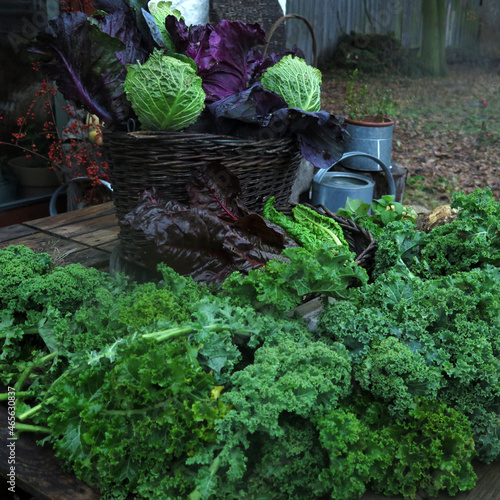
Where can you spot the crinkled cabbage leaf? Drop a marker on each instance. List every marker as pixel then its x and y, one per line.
pixel 296 81
pixel 165 92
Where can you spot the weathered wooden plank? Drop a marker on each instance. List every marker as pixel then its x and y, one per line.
pixel 37 471
pixel 99 237
pixel 48 223
pixel 108 247
pixel 41 242
pixel 15 231
pixel 90 257
pixel 86 226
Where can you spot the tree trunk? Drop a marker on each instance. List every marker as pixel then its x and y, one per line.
pixel 443 69
pixel 433 37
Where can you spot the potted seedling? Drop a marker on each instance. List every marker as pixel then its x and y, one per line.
pixel 369 124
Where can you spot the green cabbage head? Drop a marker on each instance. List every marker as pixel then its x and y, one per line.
pixel 296 81
pixel 165 92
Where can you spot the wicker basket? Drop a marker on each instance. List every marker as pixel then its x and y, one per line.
pixel 165 160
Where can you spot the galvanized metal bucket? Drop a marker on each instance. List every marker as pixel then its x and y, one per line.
pixel 331 189
pixel 372 138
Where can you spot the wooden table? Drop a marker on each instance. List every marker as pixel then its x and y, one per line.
pixel 88 236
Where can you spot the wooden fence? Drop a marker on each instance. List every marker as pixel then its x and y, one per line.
pixel 402 18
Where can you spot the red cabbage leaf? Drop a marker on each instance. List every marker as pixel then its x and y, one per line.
pixel 222 53
pixel 257 113
pixel 94 81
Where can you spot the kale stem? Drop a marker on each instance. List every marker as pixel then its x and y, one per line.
pixel 26 373
pixel 178 332
pixel 28 331
pixel 33 411
pixel 4 396
pixel 169 333
pixel 32 428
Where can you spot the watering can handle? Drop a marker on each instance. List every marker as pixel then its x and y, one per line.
pixel 388 174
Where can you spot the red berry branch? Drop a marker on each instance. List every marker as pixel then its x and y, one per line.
pixel 73 152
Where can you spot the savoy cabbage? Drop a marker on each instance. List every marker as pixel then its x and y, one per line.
pixel 165 92
pixel 296 81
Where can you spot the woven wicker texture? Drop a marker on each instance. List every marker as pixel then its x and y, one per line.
pixel 165 160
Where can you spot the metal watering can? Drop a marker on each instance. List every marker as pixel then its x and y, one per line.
pixel 332 189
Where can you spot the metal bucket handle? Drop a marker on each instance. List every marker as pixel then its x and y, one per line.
pixel 388 174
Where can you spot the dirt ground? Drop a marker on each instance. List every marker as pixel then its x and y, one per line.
pixel 447 133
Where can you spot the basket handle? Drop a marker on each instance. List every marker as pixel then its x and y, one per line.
pixel 306 22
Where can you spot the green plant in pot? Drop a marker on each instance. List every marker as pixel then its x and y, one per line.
pixel 369 124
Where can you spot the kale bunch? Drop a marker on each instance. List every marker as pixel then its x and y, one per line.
pixel 261 447
pixel 17 264
pixel 435 338
pixel 430 450
pixel 128 421
pixel 471 240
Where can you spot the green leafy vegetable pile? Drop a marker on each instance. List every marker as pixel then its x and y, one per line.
pixel 427 325
pixel 175 390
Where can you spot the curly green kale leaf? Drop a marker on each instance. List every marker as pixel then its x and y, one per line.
pixel 355 452
pixel 392 372
pixel 148 304
pixel 18 264
pixel 129 424
pixel 431 450
pixel 288 380
pixel 288 466
pixel 434 449
pixel 398 248
pixel 282 284
pixel 471 240
pixel 65 288
pixel 304 379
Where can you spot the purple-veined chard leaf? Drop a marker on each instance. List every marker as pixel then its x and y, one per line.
pixel 216 190
pixel 212 238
